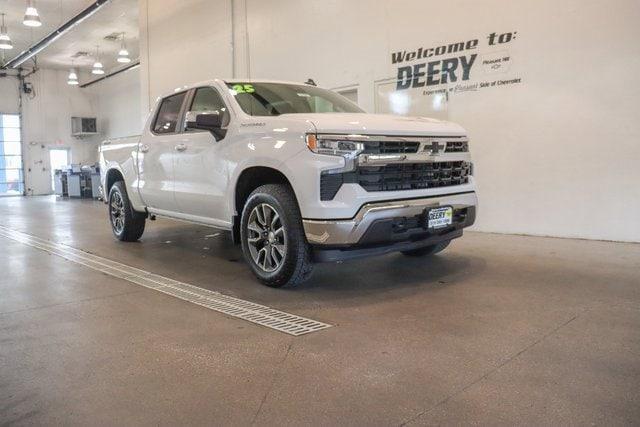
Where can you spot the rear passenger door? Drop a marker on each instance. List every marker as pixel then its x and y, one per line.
pixel 157 151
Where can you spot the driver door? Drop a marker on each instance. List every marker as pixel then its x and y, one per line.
pixel 199 168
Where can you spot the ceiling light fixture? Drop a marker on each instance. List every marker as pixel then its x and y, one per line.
pixel 123 55
pixel 98 68
pixel 73 76
pixel 63 29
pixel 31 17
pixel 5 40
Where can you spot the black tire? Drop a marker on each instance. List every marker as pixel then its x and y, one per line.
pixel 427 250
pixel 131 225
pixel 285 228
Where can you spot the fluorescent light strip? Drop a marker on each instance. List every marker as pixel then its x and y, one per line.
pixel 55 35
pixel 104 77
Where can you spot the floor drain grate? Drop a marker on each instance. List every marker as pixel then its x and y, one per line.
pixel 262 315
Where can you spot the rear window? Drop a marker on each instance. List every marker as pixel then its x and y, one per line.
pixel 169 113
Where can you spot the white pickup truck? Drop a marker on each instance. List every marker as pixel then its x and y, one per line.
pixel 298 174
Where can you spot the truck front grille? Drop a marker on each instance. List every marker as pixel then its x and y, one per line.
pixel 391 147
pixel 397 177
pixel 407 147
pixel 412 176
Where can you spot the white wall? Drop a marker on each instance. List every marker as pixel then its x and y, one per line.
pixel 556 154
pixel 182 43
pixel 553 153
pixel 118 104
pixel 9 95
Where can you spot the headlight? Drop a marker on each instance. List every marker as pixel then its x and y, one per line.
pixel 332 146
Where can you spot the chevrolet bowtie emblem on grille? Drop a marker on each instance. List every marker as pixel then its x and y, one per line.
pixel 434 148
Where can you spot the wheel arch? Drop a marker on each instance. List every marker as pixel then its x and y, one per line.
pixel 112 176
pixel 248 180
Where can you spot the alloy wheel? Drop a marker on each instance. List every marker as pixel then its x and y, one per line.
pixel 266 238
pixel 116 211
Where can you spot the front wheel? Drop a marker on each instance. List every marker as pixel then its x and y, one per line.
pixel 127 225
pixel 273 240
pixel 427 250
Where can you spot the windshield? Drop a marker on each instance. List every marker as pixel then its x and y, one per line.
pixel 273 99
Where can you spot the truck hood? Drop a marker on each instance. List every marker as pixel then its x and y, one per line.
pixel 378 124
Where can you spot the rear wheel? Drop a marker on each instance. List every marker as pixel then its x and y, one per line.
pixel 273 240
pixel 427 250
pixel 127 225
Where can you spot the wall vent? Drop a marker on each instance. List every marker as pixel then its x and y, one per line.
pixel 83 126
pixel 114 37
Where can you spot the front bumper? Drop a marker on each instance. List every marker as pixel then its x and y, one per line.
pixel 387 227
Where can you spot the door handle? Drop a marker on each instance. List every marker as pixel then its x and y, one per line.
pixel 180 147
pixel 144 148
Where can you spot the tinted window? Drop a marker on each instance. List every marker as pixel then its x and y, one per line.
pixel 207 100
pixel 273 99
pixel 167 119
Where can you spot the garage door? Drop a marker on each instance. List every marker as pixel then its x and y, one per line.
pixel 11 173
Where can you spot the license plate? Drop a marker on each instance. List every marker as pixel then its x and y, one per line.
pixel 439 217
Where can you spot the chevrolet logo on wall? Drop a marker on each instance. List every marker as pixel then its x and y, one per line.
pixel 434 148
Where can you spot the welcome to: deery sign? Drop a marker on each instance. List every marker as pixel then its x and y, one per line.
pixel 447 70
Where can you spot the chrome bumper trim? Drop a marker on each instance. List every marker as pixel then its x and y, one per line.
pixel 420 157
pixel 349 231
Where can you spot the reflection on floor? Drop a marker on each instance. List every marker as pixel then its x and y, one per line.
pixel 497 329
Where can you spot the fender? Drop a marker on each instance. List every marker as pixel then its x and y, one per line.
pixel 270 148
pixel 248 163
pixel 131 186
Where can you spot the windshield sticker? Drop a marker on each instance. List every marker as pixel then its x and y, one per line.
pixel 243 88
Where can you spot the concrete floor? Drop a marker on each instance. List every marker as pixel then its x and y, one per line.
pixel 497 330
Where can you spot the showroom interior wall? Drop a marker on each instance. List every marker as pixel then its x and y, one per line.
pixel 182 43
pixel 556 153
pixel 118 104
pixel 9 95
pixel 46 116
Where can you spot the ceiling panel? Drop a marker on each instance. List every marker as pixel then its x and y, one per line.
pixel 117 16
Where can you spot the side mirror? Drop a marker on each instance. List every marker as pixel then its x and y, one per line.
pixel 204 120
pixel 211 121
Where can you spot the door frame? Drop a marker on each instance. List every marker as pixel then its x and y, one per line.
pixel 69 159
